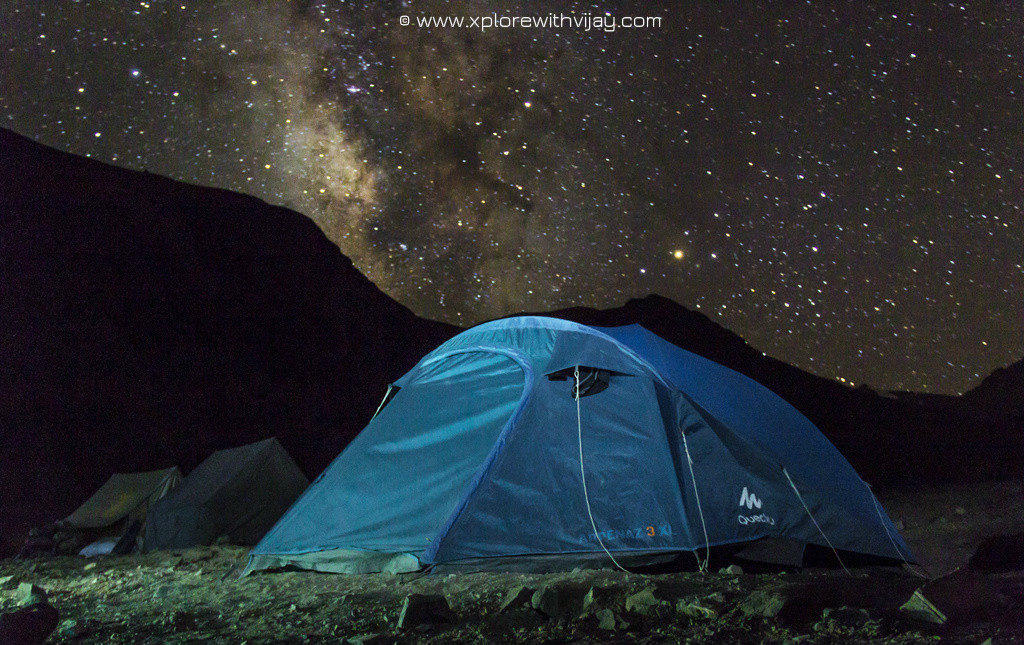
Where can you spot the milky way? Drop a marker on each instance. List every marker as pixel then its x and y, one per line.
pixel 841 185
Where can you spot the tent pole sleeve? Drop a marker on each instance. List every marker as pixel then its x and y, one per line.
pixel 431 552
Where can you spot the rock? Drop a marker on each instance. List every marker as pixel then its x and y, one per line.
pixel 90 566
pixel 29 594
pixel 71 629
pixel 764 603
pixel 852 617
pixel 606 619
pixel 7 582
pixel 716 598
pixel 643 602
pixel 32 624
pixel 516 598
pixel 695 610
pixel 424 612
pixel 732 569
pixel 920 608
pixel 588 601
pixel 561 600
pixel 960 595
pixel 999 554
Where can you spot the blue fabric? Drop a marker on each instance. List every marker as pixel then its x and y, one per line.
pixel 478 455
pixel 393 488
pixel 764 419
pixel 533 502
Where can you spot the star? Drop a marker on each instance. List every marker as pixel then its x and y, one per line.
pixel 474 175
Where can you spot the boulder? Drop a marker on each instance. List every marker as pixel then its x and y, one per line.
pixel 763 603
pixel 516 597
pixel 920 608
pixel 732 569
pixel 695 610
pixel 29 594
pixel 850 617
pixel 606 619
pixel 31 624
pixel 999 554
pixel 562 600
pixel 962 595
pixel 643 602
pixel 424 612
pixel 72 629
pixel 715 598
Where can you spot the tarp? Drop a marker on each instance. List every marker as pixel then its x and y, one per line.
pixel 103 546
pixel 122 495
pixel 237 493
pixel 485 454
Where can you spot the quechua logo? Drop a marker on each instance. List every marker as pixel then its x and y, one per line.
pixel 749 500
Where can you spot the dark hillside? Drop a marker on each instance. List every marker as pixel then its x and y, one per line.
pixel 890 438
pixel 147 322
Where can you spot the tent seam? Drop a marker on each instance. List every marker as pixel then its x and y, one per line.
pixel 499 443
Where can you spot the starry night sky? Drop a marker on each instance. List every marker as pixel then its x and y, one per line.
pixel 841 185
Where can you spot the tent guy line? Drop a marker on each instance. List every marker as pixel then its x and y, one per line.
pixel 467 465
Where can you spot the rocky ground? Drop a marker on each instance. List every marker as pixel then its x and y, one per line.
pixel 194 596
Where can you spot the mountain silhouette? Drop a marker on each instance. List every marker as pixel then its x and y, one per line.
pixel 147 322
pixel 890 438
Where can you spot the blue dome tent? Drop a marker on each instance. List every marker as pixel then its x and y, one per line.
pixel 541 442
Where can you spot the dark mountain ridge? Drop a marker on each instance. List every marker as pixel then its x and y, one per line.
pixel 146 322
pixel 890 439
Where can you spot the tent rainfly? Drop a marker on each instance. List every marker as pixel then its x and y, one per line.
pixel 538 443
pixel 117 509
pixel 236 493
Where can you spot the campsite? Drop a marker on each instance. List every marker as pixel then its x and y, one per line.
pixel 381 321
pixel 457 522
pixel 184 596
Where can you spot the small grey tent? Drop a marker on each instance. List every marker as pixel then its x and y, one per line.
pixel 115 512
pixel 238 493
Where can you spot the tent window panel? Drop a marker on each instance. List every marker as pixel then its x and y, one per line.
pixel 593 380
